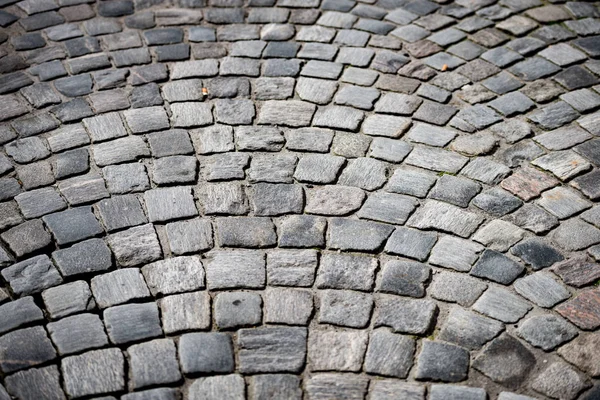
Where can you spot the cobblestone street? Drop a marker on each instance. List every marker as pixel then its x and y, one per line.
pixel 299 199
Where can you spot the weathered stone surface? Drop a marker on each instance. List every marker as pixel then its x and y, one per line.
pixel 135 246
pixel 442 362
pixel 445 217
pixel 291 267
pixel 501 304
pixel 76 333
pixel 32 275
pixel 132 322
pixel 233 269
pixel 272 349
pixel 345 308
pixel 583 310
pixel 581 352
pixel 561 381
pixel 342 350
pixel 577 271
pixel 184 312
pixel 94 372
pixel 468 329
pixel 405 316
pixel 206 352
pixel 346 234
pixel 67 299
pixel 505 361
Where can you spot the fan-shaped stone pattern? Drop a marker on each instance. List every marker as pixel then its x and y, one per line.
pixel 207 199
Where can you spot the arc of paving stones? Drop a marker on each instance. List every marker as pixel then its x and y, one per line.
pixel 318 199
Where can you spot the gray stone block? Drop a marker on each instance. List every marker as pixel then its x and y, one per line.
pixel 32 275
pixel 132 322
pixel 206 353
pixel 339 350
pixel 77 333
pixel 67 299
pixel 235 269
pixel 186 311
pixel 91 255
pixel 25 348
pixel 119 287
pixel 276 349
pixel 135 246
pixel 389 354
pixel 94 372
pixel 144 369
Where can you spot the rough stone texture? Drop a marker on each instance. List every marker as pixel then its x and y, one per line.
pixel 356 193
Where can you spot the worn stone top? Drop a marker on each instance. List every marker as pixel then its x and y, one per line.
pixel 299 199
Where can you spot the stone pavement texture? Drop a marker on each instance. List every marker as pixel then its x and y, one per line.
pixel 299 199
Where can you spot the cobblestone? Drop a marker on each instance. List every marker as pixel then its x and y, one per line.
pixel 189 167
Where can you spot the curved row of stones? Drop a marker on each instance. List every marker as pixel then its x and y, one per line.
pixel 286 199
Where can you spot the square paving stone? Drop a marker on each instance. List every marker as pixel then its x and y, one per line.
pixel 25 348
pixel 456 288
pixel 91 255
pixel 288 386
pixel 189 236
pixel 386 207
pixel 502 305
pixel 343 234
pixel 560 380
pixel 345 271
pixel 345 308
pixel 237 309
pixel 439 392
pixel 411 316
pixel 389 354
pixel 468 329
pixel 272 349
pixel 35 382
pixel 318 168
pixel 19 312
pixel 224 198
pixel 291 267
pixel 497 267
pixel 36 203
pixel 410 182
pixel 235 269
pixel 341 350
pixel 184 312
pixel 441 361
pixel 546 331
pixel 445 217
pixel 334 384
pixel 562 202
pixel 126 178
pixel 455 190
pixel 499 235
pixel 259 138
pixel 404 278
pixel 169 203
pixel 564 164
pixel 206 353
pixel 174 275
pixel 73 225
pixel 288 306
pixel 574 234
pixel 76 333
pixel 120 150
pixel 143 368
pixel 121 212
pixel 63 300
pixel 365 173
pixel 277 168
pixel 577 271
pixel 132 322
pixel 32 275
pixel 410 243
pixel 119 287
pixel 338 117
pixel 245 232
pixel 541 289
pixel 135 246
pixel 537 253
pixel 94 372
pixel 494 361
pixel 575 78
pixel 582 310
pixel 215 387
pixel 436 159
pixel 528 183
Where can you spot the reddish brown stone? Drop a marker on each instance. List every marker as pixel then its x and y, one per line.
pixel 578 271
pixel 583 310
pixel 422 48
pixel 528 183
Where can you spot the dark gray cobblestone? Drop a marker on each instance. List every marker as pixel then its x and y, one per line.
pixel 319 199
